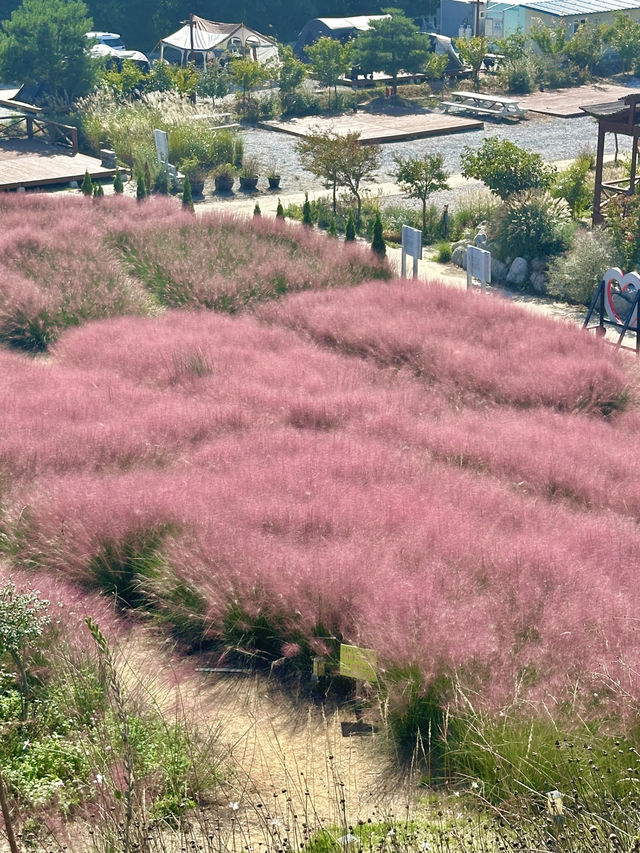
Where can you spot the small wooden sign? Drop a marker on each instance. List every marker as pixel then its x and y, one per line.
pixel 359 663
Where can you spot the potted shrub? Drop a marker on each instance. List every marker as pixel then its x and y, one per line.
pixel 273 177
pixel 196 172
pixel 223 176
pixel 249 175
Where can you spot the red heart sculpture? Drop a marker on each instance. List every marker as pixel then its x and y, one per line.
pixel 620 293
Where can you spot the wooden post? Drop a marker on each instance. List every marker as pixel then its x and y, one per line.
pixel 30 127
pixel 597 193
pixel 634 163
pixel 7 817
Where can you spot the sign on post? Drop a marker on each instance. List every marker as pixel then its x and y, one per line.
pixel 478 266
pixel 162 147
pixel 412 246
pixel 358 663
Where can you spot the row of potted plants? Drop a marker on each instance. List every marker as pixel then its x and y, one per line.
pixel 225 174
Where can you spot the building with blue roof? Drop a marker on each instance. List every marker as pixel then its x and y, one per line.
pixel 503 19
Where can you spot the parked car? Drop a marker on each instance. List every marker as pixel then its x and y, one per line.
pixel 110 39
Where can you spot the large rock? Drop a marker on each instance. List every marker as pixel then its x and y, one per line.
pixel 518 272
pixel 537 265
pixel 481 240
pixel 536 280
pixel 459 256
pixel 498 270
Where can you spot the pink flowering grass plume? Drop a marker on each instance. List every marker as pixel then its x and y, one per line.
pixel 122 266
pixel 472 344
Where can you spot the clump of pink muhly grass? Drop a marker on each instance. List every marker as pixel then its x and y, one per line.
pixel 478 345
pixel 323 491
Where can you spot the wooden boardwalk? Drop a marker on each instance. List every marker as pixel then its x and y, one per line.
pixel 33 163
pixel 566 103
pixel 377 127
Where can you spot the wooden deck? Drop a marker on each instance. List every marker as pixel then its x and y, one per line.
pixel 32 163
pixel 377 127
pixel 566 103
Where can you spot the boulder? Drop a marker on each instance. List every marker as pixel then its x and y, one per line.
pixel 459 256
pixel 481 240
pixel 498 270
pixel 518 272
pixel 536 280
pixel 537 265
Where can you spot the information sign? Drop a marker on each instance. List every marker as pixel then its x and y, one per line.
pixel 478 265
pixel 412 246
pixel 162 147
pixel 359 663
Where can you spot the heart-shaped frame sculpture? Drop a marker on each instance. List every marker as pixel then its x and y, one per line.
pixel 620 292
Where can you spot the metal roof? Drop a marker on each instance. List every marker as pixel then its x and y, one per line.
pixel 562 8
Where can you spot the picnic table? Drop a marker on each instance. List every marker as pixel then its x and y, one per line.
pixel 481 104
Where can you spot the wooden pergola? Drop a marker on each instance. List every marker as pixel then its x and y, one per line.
pixel 622 118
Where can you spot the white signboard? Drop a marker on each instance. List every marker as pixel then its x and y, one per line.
pixel 412 246
pixel 162 147
pixel 412 241
pixel 478 265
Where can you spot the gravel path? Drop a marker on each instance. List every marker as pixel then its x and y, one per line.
pixel 553 138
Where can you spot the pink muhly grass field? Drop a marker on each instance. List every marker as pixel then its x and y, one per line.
pixel 342 496
pixel 469 343
pixel 71 260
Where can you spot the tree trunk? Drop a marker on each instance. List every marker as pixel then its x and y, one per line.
pixel 424 217
pixel 7 817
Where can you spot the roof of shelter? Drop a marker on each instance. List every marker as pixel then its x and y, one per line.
pixel 358 22
pixel 562 8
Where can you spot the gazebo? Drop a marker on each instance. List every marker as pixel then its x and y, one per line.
pixel 622 118
pixel 200 40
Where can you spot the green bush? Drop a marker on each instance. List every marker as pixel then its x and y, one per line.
pixel 506 168
pixel 531 224
pixel 575 275
pixel 517 76
pixel 377 242
pixel 623 219
pixel 573 186
pixel 443 253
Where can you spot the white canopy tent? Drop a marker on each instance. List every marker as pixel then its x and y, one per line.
pixel 199 40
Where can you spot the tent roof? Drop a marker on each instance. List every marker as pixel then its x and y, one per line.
pixel 359 22
pixel 208 35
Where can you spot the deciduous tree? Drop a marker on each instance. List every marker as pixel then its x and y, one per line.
pixel 329 60
pixel 505 168
pixel 473 51
pixel 421 177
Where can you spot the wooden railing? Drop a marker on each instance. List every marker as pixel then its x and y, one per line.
pixel 39 128
pixel 612 189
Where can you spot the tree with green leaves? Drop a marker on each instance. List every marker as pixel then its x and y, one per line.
pixel 329 60
pixel 420 177
pixel 248 76
pixel 392 45
pixel 44 42
pixel 291 73
pixel 141 188
pixel 279 210
pixel 23 618
pixel 473 52
pixel 321 154
pixel 378 244
pixel 340 160
pixel 624 36
pixel 505 167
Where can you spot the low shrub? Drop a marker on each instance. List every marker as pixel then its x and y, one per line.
pixel 531 224
pixel 575 275
pixel 443 252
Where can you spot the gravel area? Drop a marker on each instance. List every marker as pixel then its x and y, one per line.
pixel 553 138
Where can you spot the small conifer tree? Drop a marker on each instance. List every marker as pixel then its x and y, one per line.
pixel 86 186
pixel 332 229
pixel 118 186
pixel 350 230
pixel 306 212
pixel 187 197
pixel 98 192
pixel 279 210
pixel 256 210
pixel 148 180
pixel 141 188
pixel 161 183
pixel 377 243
